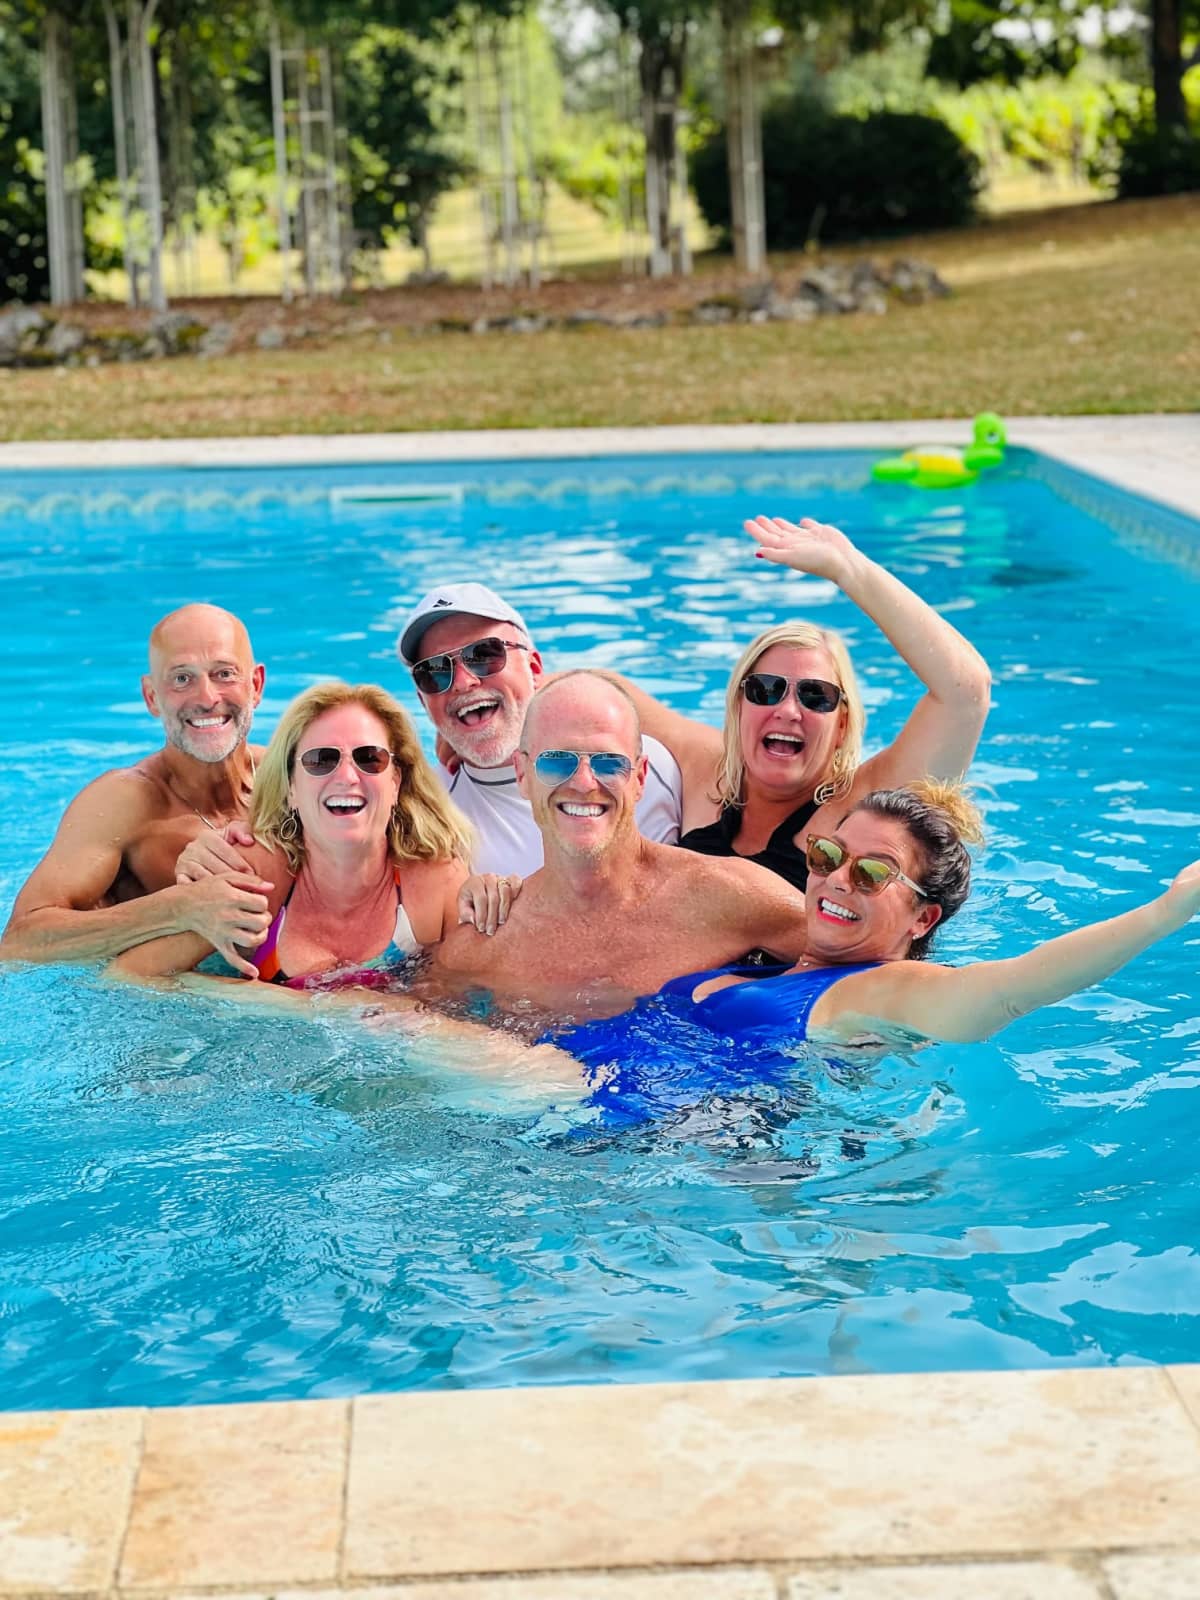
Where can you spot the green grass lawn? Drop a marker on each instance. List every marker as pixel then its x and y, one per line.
pixel 1085 309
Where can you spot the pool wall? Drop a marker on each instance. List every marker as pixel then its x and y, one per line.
pixel 1068 1485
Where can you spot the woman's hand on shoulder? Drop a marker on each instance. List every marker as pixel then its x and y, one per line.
pixel 815 548
pixel 486 899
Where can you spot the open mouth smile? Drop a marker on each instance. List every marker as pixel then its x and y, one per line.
pixel 782 744
pixel 345 804
pixel 836 912
pixel 474 712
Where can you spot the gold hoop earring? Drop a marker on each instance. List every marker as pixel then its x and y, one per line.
pixel 289 828
pixel 840 781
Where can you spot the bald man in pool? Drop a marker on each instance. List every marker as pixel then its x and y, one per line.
pixel 108 880
pixel 611 915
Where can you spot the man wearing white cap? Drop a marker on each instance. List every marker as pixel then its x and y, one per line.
pixel 476 670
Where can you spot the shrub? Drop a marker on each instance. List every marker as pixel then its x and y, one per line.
pixel 842 177
pixel 1138 159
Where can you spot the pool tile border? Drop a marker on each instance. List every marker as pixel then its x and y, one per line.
pixel 1150 455
pixel 730 1490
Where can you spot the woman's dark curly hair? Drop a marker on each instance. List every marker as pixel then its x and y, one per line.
pixel 942 820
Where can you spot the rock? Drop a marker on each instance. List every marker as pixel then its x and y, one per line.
pixel 865 278
pixel 216 339
pixel 64 340
pixel 426 280
pixel 713 312
pixel 481 325
pixel 177 332
pixel 21 331
pixel 642 319
pixel 527 324
pixel 271 338
pixel 823 288
pixel 914 282
pixel 592 319
pixel 756 296
pixel 152 348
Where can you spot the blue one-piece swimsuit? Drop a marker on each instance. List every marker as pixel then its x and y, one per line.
pixel 773 1000
pixel 670 1051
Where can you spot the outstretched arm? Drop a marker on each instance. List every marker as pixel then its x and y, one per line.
pixel 962 1004
pixel 59 914
pixel 939 738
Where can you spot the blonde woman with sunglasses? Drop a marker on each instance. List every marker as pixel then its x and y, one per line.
pixel 358 847
pixel 788 758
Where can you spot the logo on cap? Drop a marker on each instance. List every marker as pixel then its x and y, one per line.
pixel 438 603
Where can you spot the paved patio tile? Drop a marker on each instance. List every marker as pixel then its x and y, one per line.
pixel 1154 1577
pixel 66 1479
pixel 941 1465
pixel 238 1494
pixel 966 1580
pixel 1186 1381
pixel 728 1583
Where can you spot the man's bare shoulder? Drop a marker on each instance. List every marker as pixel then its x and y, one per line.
pixel 137 794
pixel 729 875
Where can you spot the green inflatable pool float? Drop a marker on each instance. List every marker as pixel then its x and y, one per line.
pixel 940 466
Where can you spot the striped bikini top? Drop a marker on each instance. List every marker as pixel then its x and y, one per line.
pixel 403 943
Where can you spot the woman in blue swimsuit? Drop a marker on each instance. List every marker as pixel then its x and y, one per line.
pixel 894 869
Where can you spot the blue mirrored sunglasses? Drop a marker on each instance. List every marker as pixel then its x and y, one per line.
pixel 560 766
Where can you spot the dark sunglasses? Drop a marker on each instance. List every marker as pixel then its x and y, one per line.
pixel 560 766
pixel 323 759
pixel 868 874
pixel 482 658
pixel 814 694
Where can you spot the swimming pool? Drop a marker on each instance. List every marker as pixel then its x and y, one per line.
pixel 198 1206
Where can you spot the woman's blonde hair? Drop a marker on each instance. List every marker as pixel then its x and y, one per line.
pixel 424 825
pixel 731 773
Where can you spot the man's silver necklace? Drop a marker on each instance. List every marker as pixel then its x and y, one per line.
pixel 218 827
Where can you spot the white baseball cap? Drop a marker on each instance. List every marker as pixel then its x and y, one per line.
pixel 453 600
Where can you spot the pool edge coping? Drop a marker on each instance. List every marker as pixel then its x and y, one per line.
pixel 448 1492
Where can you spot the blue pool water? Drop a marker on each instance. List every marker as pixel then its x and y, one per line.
pixel 199 1206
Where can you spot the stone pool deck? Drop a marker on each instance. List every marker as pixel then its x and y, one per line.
pixel 1071 1484
pixel 1068 1485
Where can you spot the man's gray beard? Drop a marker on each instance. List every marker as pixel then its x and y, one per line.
pixel 499 748
pixel 178 733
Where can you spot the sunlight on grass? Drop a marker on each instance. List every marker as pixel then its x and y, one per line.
pixel 1105 320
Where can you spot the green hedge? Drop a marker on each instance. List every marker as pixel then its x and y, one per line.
pixel 840 177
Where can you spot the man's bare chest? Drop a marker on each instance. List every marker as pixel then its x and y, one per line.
pixel 150 859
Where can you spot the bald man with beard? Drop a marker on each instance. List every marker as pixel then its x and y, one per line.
pixel 611 915
pixel 107 882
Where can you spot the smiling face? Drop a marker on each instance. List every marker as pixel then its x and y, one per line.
pixel 346 808
pixel 481 718
pixel 846 924
pixel 203 683
pixel 786 749
pixel 582 818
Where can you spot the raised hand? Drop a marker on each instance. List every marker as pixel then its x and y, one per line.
pixel 816 548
